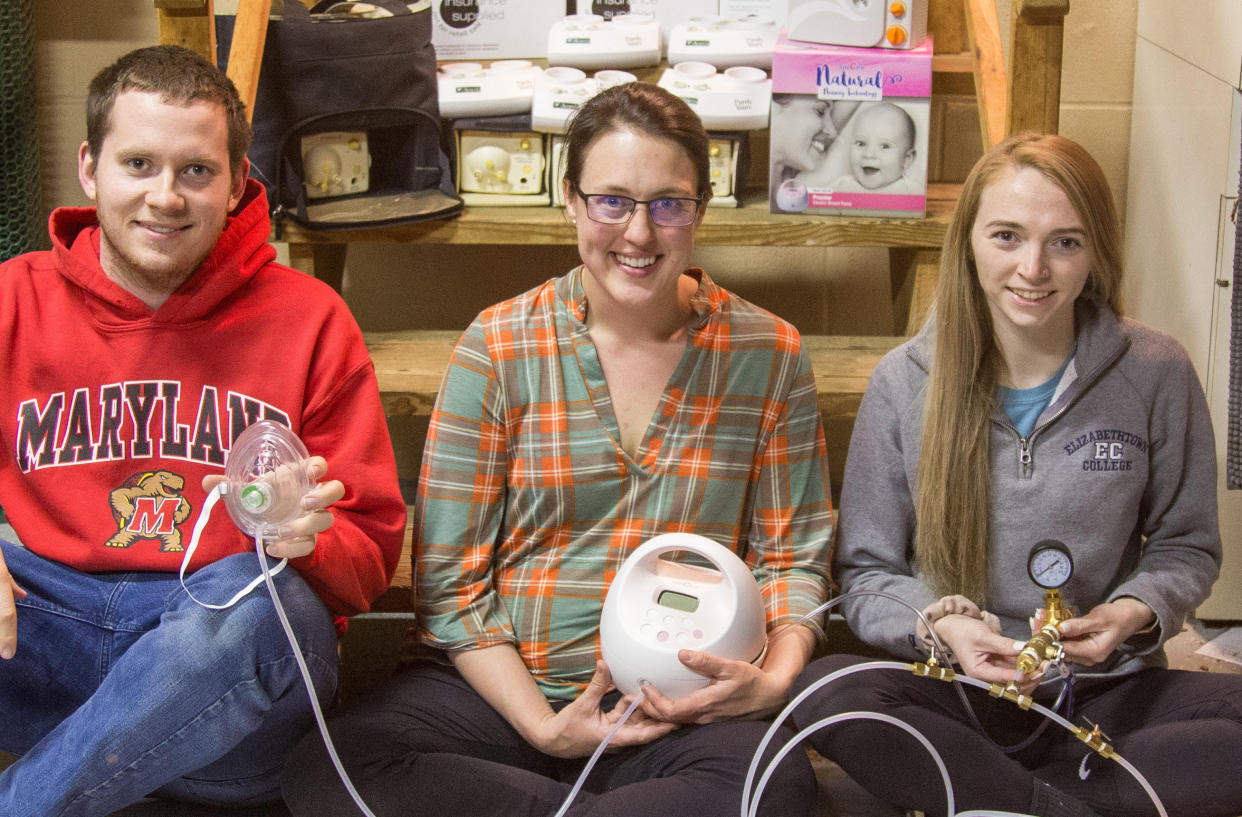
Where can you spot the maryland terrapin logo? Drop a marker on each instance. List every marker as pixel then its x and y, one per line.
pixel 148 508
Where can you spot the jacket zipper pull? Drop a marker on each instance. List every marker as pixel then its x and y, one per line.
pixel 278 217
pixel 1024 456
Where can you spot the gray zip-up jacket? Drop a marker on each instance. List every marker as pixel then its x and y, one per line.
pixel 1121 467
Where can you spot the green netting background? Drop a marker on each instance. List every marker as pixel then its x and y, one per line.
pixel 21 211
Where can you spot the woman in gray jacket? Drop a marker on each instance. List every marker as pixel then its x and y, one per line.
pixel 1028 410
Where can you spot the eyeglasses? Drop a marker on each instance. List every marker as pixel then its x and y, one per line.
pixel 607 208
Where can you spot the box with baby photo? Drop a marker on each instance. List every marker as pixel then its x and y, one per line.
pixel 849 129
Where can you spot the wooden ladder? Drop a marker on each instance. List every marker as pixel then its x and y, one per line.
pixel 192 23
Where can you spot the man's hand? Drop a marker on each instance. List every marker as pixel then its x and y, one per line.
pixel 297 538
pixel 10 591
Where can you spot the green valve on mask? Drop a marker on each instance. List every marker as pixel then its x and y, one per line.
pixel 253 498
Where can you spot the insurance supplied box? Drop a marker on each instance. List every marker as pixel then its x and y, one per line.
pixel 492 29
pixel 849 129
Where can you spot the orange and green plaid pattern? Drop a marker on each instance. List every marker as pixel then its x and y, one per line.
pixel 527 505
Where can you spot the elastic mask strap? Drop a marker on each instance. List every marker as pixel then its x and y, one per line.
pixel 203 516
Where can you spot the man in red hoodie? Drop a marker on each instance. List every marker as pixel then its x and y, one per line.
pixel 136 350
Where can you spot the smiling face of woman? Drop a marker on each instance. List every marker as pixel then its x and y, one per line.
pixel 1031 256
pixel 636 265
pixel 804 133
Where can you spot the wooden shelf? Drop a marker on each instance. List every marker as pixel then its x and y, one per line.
pixel 748 225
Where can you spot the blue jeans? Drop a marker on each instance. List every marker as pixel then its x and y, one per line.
pixel 123 686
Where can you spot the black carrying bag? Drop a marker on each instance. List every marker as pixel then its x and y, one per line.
pixel 329 75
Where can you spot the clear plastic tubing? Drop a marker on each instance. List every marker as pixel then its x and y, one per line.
pixel 847 716
pixel 310 686
pixel 750 809
pixel 599 750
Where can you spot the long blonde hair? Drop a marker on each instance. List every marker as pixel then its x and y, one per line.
pixel 953 499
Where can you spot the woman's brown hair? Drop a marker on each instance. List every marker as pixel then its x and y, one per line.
pixel 953 497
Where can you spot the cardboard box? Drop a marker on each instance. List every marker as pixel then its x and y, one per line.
pixel 849 128
pixel 492 29
pixel 667 12
pixel 777 10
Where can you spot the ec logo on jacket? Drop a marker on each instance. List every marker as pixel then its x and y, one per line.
pixel 1107 449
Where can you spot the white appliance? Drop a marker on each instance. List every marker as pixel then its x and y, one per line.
pixel 501 168
pixel 860 23
pixel 468 89
pixel 1183 185
pixel 560 90
pixel 738 98
pixel 335 163
pixel 656 607
pixel 723 42
pixel 591 42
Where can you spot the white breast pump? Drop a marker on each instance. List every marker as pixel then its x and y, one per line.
pixel 656 607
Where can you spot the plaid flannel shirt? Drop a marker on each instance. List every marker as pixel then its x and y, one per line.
pixel 527 505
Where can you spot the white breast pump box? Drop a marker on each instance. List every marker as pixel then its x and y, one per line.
pixel 737 98
pixel 724 42
pixel 593 42
pixel 776 10
pixel 667 12
pixel 656 607
pixel 492 29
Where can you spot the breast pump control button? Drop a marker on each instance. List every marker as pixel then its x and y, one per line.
pixel 662 636
pixel 898 10
pixel 896 35
pixel 653 613
pixel 687 622
pixel 668 621
pixel 698 634
pixel 646 629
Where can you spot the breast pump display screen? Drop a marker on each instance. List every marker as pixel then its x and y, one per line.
pixel 678 601
pixel 706 599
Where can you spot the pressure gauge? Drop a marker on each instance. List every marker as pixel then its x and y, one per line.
pixel 1050 564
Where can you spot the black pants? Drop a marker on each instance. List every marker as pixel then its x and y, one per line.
pixel 1181 730
pixel 426 745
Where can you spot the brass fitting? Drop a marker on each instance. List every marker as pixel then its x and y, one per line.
pixel 1097 740
pixel 1045 645
pixel 1010 693
pixel 933 669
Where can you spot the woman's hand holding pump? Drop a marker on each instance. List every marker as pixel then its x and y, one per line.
pixel 577 729
pixel 497 673
pixel 738 689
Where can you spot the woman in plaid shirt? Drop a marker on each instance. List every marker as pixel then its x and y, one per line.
pixel 628 398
